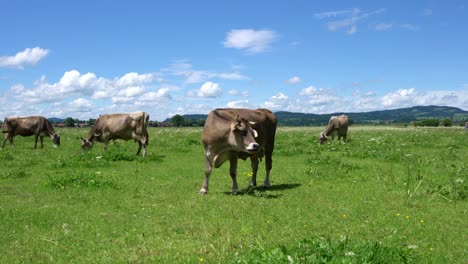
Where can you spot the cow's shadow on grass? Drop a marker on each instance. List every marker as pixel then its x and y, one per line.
pixel 262 192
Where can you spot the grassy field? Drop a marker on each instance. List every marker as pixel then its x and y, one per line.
pixel 391 195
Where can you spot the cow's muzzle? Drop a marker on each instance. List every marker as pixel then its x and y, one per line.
pixel 253 147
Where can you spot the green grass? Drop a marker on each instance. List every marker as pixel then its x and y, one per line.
pixel 391 195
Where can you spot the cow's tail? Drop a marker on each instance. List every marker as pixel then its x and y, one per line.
pixel 4 125
pixel 145 125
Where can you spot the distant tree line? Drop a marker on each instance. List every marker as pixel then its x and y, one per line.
pixel 434 122
pixel 180 121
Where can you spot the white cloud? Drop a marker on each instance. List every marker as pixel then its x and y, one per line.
pixel 294 80
pixel 239 104
pixel 131 91
pixel 183 68
pixel 277 102
pixel 347 19
pixel 27 57
pixel 254 41
pixel 163 93
pixel 209 89
pixel 311 91
pixel 400 97
pixel 81 105
pixel 134 79
pixel 238 93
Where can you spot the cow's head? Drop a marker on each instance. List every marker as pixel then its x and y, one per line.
pixel 242 135
pixel 56 138
pixel 323 138
pixel 86 144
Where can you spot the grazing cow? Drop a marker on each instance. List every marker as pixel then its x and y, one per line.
pixel 27 126
pixel 336 123
pixel 232 134
pixel 119 126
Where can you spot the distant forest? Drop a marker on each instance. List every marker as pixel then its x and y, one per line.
pixel 418 116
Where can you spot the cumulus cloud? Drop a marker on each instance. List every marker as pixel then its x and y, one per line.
pixel 133 79
pixel 294 80
pixel 131 91
pixel 253 41
pixel 26 57
pixel 209 89
pixel 160 94
pixel 277 102
pixel 81 105
pixel 401 97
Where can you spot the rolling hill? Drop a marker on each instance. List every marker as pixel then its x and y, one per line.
pixel 401 115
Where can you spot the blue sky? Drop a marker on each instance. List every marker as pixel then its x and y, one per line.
pixel 84 58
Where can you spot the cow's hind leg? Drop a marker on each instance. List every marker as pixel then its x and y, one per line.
pixel 41 139
pixel 208 169
pixel 233 173
pixel 268 166
pixel 254 165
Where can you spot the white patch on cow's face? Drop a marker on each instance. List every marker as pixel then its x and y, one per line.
pixel 253 147
pixel 86 144
pixel 323 138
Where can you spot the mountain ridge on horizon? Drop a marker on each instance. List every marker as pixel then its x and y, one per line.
pixel 398 115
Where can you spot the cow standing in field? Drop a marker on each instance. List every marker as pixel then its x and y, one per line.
pixel 336 124
pixel 27 126
pixel 119 126
pixel 232 134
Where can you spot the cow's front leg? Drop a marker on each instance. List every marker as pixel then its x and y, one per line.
pixel 254 165
pixel 139 148
pixel 106 144
pixel 208 168
pixel 5 138
pixel 35 140
pixel 233 172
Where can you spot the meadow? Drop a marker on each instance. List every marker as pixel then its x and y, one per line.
pixel 391 195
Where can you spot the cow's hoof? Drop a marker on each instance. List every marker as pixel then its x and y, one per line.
pixel 203 191
pixel 267 187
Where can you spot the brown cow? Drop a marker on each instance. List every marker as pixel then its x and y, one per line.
pixel 337 123
pixel 119 126
pixel 230 134
pixel 27 126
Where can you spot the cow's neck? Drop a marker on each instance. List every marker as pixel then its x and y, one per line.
pixel 328 130
pixel 49 129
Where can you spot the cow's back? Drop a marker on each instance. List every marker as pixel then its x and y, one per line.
pixel 265 123
pixel 121 125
